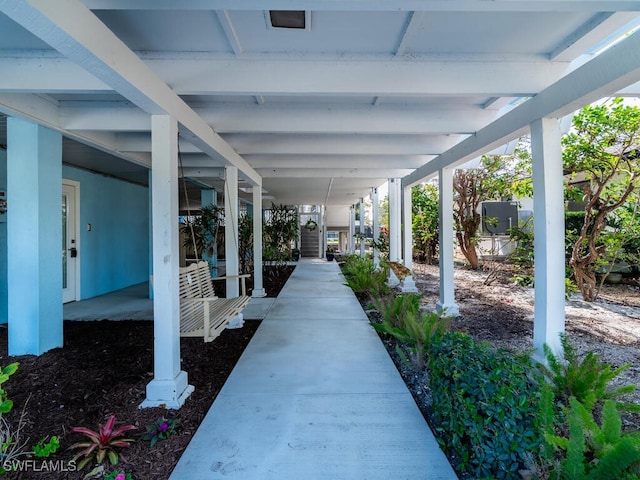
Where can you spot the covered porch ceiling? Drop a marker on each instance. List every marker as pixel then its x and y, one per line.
pixel 365 91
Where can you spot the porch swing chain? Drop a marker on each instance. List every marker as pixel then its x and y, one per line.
pixel 232 220
pixel 189 221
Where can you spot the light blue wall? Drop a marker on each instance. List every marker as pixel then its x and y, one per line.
pixel 4 318
pixel 115 253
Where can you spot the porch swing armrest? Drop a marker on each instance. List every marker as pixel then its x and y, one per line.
pixel 242 278
pixel 199 299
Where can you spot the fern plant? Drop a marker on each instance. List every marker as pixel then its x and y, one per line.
pixel 363 278
pixel 586 380
pixel 403 320
pixel 394 308
pixel 593 452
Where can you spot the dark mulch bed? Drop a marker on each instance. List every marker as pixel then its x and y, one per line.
pixel 103 369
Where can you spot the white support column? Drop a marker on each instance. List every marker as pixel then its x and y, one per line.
pixel 258 288
pixel 447 301
pixel 169 387
pixel 408 284
pixel 362 227
pixel 395 208
pixel 548 224
pixel 394 219
pixel 34 237
pixel 352 229
pixel 322 232
pixel 376 225
pixel 231 237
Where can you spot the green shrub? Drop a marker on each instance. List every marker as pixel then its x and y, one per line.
pixel 363 278
pixel 403 319
pixel 585 379
pixel 394 308
pixel 594 452
pixel 485 406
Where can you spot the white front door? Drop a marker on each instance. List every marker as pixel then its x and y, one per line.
pixel 70 248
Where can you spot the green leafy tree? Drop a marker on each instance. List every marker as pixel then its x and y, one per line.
pixel 496 177
pixel 604 147
pixel 425 221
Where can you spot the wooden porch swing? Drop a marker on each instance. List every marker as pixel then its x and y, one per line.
pixel 202 312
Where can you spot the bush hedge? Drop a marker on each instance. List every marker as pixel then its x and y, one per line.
pixel 485 406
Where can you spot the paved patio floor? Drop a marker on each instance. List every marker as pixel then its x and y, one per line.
pixel 314 396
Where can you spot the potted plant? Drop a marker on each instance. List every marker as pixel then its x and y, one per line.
pixel 330 254
pixel 296 254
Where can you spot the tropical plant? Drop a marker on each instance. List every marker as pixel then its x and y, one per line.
pixel 586 380
pixel 44 448
pixel 118 475
pixel 425 221
pixel 245 243
pixel 5 404
pixel 161 429
pixel 103 444
pixel 281 229
pixel 592 451
pixel 203 233
pixel 11 445
pixel 403 319
pixel 603 149
pixel 363 278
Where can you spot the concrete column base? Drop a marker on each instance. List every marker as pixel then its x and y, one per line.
pixel 168 393
pixel 450 310
pixel 408 285
pixel 236 322
pixel 258 293
pixel 392 281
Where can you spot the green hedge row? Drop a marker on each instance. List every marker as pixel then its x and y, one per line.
pixel 485 405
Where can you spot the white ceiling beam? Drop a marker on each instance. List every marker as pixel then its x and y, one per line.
pixel 373 5
pixel 228 118
pixel 191 75
pixel 230 31
pixel 361 173
pixel 631 91
pixel 47 75
pixel 372 162
pixel 328 144
pixel 477 75
pixel 335 144
pixel 202 172
pixel 44 112
pixel 112 118
pixel 319 161
pixel 141 142
pixel 611 71
pixel 77 33
pixel 600 26
pixel 383 119
pixel 412 27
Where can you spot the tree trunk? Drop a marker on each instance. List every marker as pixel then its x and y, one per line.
pixel 585 280
pixel 468 249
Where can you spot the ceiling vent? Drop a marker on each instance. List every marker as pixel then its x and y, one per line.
pixel 294 19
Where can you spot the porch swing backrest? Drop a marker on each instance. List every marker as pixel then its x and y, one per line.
pixel 196 282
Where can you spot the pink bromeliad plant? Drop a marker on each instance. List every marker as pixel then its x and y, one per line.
pixel 102 444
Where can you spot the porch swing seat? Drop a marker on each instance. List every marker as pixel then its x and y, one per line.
pixel 202 312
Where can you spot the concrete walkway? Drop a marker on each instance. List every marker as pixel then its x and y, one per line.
pixel 314 396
